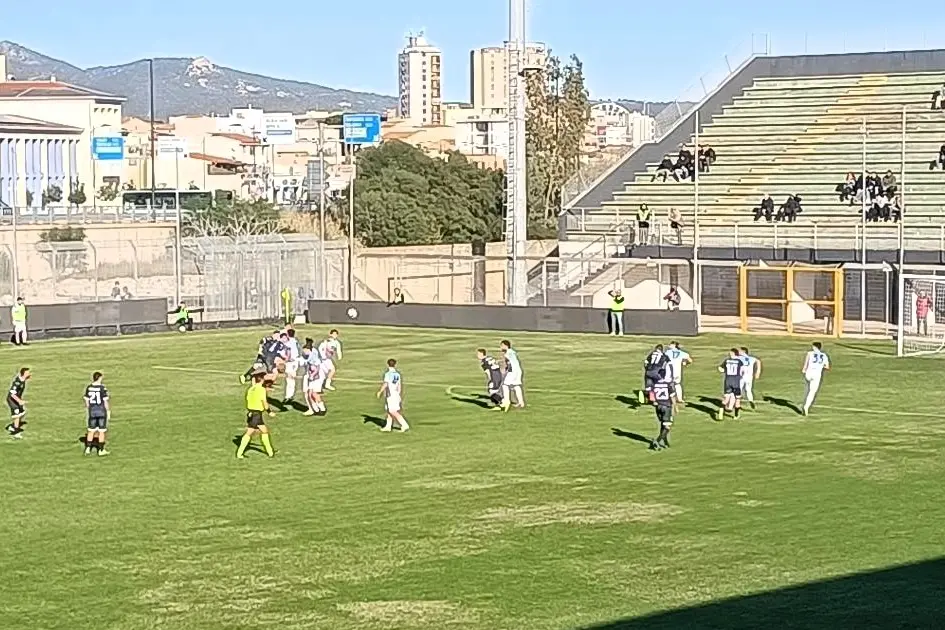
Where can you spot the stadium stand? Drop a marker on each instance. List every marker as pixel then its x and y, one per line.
pixel 786 126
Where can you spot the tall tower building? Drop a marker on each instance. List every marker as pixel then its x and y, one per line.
pixel 488 74
pixel 420 82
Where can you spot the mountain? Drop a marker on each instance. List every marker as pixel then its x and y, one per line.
pixel 192 86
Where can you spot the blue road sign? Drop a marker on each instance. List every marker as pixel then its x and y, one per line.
pixel 108 148
pixel 361 128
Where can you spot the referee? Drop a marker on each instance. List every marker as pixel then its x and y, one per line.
pixel 256 405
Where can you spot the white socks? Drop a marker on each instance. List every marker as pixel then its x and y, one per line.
pixel 290 387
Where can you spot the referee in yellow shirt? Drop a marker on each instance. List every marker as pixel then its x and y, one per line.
pixel 256 405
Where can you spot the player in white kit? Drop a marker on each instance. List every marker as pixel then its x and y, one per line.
pixel 751 371
pixel 313 381
pixel 392 390
pixel 293 361
pixel 678 358
pixel 815 363
pixel 330 349
pixel 512 382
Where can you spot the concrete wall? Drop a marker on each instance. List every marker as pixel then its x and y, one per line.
pixel 442 274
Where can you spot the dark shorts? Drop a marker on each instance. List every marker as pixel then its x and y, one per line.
pixel 664 414
pixel 16 409
pixel 97 423
pixel 254 419
pixel 732 387
pixel 643 225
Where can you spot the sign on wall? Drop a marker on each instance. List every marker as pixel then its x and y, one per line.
pixel 108 148
pixel 171 148
pixel 278 128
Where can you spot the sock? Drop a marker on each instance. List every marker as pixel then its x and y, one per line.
pixel 506 396
pixel 737 411
pixel 290 388
pixel 101 446
pixel 403 424
pixel 389 424
pixel 328 383
pixel 320 406
pixel 519 395
pixel 679 391
pixel 247 438
pixel 267 444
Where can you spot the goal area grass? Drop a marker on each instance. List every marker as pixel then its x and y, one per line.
pixel 552 517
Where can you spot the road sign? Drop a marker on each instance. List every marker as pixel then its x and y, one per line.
pixel 278 128
pixel 108 148
pixel 317 176
pixel 171 147
pixel 361 128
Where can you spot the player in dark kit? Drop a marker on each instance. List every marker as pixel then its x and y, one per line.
pixel 731 369
pixel 271 349
pixel 664 400
pixel 654 369
pixel 99 413
pixel 493 374
pixel 16 403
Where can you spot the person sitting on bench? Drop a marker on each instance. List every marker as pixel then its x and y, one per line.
pixel 182 318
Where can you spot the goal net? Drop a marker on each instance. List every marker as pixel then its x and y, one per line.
pixel 922 315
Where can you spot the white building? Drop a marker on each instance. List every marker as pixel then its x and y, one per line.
pixel 485 134
pixel 615 125
pixel 420 83
pixel 489 74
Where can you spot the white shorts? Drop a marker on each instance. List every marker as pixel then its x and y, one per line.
pixel 19 327
pixel 813 379
pixel 314 385
pixel 747 383
pixel 512 379
pixel 328 366
pixel 392 405
pixel 291 368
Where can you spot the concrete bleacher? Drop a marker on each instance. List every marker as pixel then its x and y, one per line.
pixel 791 135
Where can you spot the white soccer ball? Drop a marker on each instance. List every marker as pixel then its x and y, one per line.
pixel 353 313
pixel 182 328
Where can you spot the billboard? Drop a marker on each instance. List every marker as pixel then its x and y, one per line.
pixel 170 147
pixel 278 128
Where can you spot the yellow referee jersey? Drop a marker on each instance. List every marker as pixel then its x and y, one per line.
pixel 256 398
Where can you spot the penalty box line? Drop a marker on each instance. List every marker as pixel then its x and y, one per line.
pixel 450 390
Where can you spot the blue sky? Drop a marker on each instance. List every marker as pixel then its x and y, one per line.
pixel 354 44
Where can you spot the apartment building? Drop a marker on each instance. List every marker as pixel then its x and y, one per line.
pixel 420 81
pixel 615 125
pixel 489 74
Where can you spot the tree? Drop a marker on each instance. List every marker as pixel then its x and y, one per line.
pixel 404 197
pixel 556 120
pixel 236 219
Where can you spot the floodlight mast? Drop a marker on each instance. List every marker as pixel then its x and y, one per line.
pixel 516 199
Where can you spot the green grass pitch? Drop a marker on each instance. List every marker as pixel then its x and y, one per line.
pixel 542 518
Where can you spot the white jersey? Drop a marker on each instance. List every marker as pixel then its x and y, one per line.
pixel 814 365
pixel 294 349
pixel 677 358
pixel 749 366
pixel 330 349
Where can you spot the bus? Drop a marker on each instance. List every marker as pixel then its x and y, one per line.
pixel 169 199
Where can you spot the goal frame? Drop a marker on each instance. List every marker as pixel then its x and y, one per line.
pixel 901 330
pixel 788 271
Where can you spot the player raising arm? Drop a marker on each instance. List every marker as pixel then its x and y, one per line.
pixel 17 403
pixel 731 369
pixel 99 412
pixel 392 390
pixel 664 401
pixel 751 371
pixel 678 359
pixel 815 363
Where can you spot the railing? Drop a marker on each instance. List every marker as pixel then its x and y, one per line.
pixel 667 119
pixel 926 236
pixel 85 214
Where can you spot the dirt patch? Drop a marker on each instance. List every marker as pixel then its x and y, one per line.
pixel 581 513
pixel 469 482
pixel 419 613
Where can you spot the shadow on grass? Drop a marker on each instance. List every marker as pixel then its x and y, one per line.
pixel 252 446
pixel 784 403
pixel 910 596
pixel 707 405
pixel 369 419
pixel 479 400
pixel 631 401
pixel 275 403
pixel 636 437
pixel 868 349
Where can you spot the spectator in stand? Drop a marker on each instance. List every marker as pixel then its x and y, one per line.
pixel 847 190
pixel 675 224
pixel 706 158
pixel 879 210
pixel 938 98
pixel 765 208
pixel 874 186
pixel 665 169
pixel 789 210
pixel 923 304
pixel 895 208
pixel 672 299
pixel 684 163
pixel 938 162
pixel 644 214
pixel 889 184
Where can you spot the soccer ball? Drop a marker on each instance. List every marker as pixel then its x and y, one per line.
pixel 182 328
pixel 353 313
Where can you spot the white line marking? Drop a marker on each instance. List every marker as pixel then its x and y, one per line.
pixel 451 389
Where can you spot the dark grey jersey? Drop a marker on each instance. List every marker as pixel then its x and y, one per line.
pixel 663 393
pixel 732 369
pixel 97 396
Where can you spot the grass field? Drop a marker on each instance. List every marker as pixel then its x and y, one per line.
pixel 544 518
